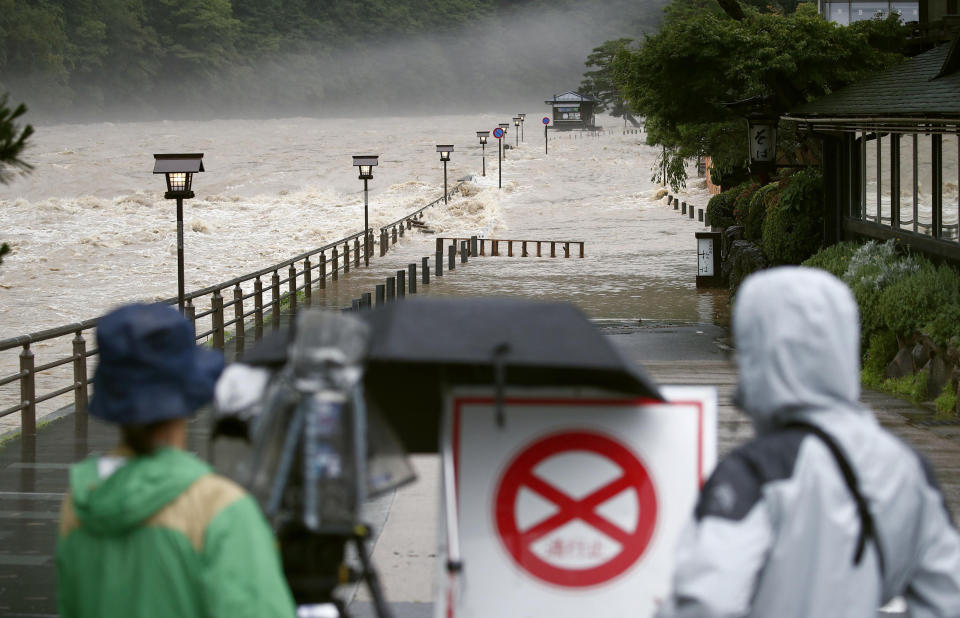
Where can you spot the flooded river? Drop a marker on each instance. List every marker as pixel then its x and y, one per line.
pixel 90 229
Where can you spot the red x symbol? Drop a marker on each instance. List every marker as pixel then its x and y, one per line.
pixel 520 474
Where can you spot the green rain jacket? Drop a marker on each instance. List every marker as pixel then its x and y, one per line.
pixel 161 536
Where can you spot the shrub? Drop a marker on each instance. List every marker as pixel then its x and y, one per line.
pixel 947 401
pixel 760 202
pixel 720 210
pixel 872 268
pixel 913 387
pixel 741 204
pixel 793 227
pixel 834 259
pixel 880 351
pixel 944 329
pixel 912 301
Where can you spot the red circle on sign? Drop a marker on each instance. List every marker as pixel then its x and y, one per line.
pixel 520 474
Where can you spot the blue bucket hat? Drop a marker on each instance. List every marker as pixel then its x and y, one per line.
pixel 150 367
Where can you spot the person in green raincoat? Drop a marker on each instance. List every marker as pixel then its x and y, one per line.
pixel 149 530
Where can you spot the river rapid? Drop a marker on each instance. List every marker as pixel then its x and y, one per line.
pixel 90 230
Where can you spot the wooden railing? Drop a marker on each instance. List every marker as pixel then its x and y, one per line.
pixel 256 299
pixel 477 246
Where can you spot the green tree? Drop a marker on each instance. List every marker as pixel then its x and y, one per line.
pixel 601 83
pixel 682 77
pixel 12 142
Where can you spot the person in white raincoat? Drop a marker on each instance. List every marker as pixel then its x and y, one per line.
pixel 824 513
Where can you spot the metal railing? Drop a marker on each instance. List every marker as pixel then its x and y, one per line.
pixel 257 299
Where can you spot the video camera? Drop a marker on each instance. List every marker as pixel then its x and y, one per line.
pixel 293 427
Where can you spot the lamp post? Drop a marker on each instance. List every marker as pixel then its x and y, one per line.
pixel 505 126
pixel 523 118
pixel 179 170
pixel 366 163
pixel 444 150
pixel 483 135
pixel 516 124
pixel 499 133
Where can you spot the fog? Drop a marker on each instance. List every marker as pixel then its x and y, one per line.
pixel 515 55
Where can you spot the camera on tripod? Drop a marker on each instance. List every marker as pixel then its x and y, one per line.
pixel 293 427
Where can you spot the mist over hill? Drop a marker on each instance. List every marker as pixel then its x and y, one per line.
pixel 132 59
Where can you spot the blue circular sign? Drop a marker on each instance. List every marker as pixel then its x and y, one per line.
pixel 498 133
pixel 546 120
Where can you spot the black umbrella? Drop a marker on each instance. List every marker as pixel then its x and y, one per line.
pixel 420 347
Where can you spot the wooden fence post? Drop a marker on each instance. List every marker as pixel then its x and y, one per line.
pixel 275 300
pixel 257 310
pixel 80 379
pixel 216 303
pixel 292 286
pixel 28 395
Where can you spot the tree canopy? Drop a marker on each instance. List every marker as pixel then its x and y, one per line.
pixel 682 77
pixel 13 140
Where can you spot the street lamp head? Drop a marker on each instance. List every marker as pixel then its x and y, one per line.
pixel 179 170
pixel 444 150
pixel 483 135
pixel 504 125
pixel 522 117
pixel 366 163
pixel 516 121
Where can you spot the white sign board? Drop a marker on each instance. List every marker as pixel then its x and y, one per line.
pixel 763 142
pixel 574 503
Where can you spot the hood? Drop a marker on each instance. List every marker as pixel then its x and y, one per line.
pixel 797 333
pixel 112 494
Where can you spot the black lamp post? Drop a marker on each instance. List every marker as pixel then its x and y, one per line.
pixel 366 163
pixel 523 117
pixel 444 150
pixel 179 170
pixel 483 135
pixel 505 126
pixel 516 123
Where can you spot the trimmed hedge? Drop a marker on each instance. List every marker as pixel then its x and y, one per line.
pixel 793 227
pixel 761 201
pixel 720 210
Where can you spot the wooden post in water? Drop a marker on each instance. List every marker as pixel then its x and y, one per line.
pixel 412 277
pixel 463 252
pixel 401 284
pixel 391 289
pixel 308 282
pixel 80 381
pixel 257 310
pixel 482 242
pixel 523 249
pixel 581 248
pixel 473 246
pixel 425 267
pixel 690 211
pixel 495 251
pixel 366 300
pixel 190 312
pixel 384 242
pixel 292 287
pixel 509 248
pixel 216 303
pixel 402 227
pixel 553 249
pixel 275 300
pixel 538 249
pixel 381 294
pixel 700 215
pixel 28 414
pixel 439 244
pixel 356 253
pixel 394 234
pixel 566 249
pixel 335 271
pixel 239 336
pixel 346 257
pixel 452 258
pixel 440 263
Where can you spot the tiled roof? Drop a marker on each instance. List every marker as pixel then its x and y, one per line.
pixel 927 85
pixel 572 97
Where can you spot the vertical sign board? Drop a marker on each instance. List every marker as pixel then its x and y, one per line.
pixel 572 506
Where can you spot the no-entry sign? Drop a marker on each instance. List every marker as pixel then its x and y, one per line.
pixel 579 544
pixel 571 506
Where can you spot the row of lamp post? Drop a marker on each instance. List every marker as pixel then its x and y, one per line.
pixel 178 170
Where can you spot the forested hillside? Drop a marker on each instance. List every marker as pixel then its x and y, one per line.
pixel 131 58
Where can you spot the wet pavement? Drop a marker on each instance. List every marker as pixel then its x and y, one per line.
pixel 33 475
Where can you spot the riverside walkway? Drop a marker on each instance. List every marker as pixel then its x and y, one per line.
pixel 33 476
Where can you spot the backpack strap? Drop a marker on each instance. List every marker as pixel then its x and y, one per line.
pixel 868 528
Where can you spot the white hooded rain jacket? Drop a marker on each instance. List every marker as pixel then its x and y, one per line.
pixel 777 532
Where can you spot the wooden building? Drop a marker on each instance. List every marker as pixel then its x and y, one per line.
pixel 891 146
pixel 572 110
